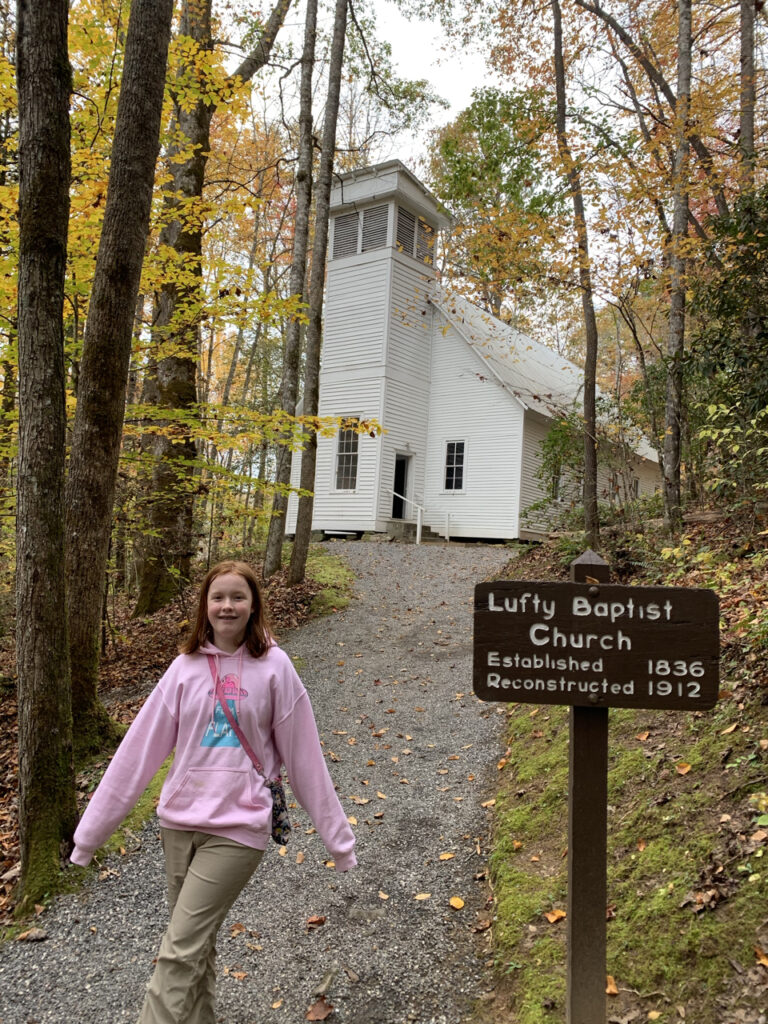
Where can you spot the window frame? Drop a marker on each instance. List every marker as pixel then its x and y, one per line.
pixel 346 435
pixel 462 465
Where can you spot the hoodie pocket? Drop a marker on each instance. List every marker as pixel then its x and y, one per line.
pixel 213 797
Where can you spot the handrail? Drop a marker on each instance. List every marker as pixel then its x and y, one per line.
pixel 419 513
pixel 420 510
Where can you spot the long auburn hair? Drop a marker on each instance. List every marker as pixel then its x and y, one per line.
pixel 258 638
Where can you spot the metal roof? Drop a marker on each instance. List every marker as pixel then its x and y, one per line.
pixel 535 375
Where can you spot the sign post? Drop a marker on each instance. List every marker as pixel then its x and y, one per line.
pixel 594 645
pixel 587 842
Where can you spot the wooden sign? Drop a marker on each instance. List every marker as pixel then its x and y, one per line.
pixel 599 645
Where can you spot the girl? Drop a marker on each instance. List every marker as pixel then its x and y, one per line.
pixel 215 809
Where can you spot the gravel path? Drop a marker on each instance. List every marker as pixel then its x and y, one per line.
pixel 413 755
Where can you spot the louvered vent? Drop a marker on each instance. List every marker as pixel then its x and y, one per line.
pixel 345 235
pixel 406 231
pixel 375 228
pixel 425 242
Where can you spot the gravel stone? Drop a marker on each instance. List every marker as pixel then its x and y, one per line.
pixel 412 753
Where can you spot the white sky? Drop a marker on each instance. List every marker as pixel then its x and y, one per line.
pixel 420 50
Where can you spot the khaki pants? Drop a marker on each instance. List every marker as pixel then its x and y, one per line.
pixel 205 875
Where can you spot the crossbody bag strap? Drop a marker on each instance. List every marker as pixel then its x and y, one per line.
pixel 231 718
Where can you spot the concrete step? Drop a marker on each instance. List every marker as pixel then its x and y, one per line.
pixel 405 530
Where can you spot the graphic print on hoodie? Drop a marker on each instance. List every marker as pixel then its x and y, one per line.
pixel 219 732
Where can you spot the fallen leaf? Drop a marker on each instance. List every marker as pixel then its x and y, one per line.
pixel 760 836
pixel 482 926
pixel 277 1005
pixel 282 851
pixel 654 1015
pixel 383 895
pixel 489 803
pixel 641 845
pixel 422 896
pixel 555 915
pixel 316 921
pixel 380 795
pixel 351 819
pixel 299 858
pixel 237 929
pixel 447 856
pixel 642 736
pixel 730 729
pixel 611 988
pixel 456 902
pixel 32 935
pixel 682 769
pixel 762 957
pixel 238 975
pixel 319 1010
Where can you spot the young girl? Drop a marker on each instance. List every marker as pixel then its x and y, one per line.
pixel 215 809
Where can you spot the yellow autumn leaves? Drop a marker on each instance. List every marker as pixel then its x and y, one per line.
pixel 455 901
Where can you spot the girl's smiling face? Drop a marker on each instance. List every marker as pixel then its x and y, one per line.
pixel 229 606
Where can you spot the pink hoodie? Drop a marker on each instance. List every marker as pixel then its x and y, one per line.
pixel 212 785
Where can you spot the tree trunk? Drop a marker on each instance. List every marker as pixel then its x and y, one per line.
pixel 166 548
pixel 107 352
pixel 747 95
pixel 317 286
pixel 274 549
pixel 591 519
pixel 673 516
pixel 47 809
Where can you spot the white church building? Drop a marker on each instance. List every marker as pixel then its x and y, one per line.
pixel 464 400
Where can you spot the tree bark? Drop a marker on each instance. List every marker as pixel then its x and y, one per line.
pixel 290 387
pixel 747 95
pixel 673 515
pixel 47 808
pixel 165 551
pixel 107 352
pixel 300 551
pixel 591 518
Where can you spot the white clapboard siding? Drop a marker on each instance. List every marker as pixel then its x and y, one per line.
pixel 408 343
pixel 467 404
pixel 649 475
pixel 293 500
pixel 536 522
pixel 353 510
pixel 356 312
pixel 405 420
